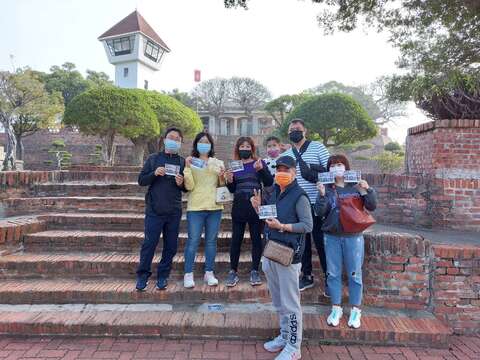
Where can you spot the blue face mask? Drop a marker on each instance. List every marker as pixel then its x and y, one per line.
pixel 172 145
pixel 204 148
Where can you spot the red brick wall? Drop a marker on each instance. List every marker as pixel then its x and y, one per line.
pixel 456 286
pixel 447 148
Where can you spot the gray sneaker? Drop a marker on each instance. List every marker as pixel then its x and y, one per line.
pixel 255 278
pixel 232 279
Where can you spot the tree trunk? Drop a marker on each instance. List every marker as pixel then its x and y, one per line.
pixel 108 149
pixel 152 146
pixel 11 150
pixel 20 148
pixel 139 145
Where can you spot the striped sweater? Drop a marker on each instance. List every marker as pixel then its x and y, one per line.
pixel 316 153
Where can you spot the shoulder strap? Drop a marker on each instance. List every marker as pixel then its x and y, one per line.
pixel 304 147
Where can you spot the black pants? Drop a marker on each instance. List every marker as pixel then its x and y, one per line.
pixel 154 227
pixel 238 231
pixel 317 235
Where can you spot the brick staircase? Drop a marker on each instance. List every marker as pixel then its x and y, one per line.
pixel 74 273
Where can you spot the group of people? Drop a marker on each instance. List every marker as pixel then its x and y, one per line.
pixel 306 211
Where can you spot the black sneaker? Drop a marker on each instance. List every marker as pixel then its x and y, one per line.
pixel 162 283
pixel 232 279
pixel 255 278
pixel 306 282
pixel 142 282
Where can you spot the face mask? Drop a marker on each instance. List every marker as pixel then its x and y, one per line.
pixel 171 146
pixel 296 136
pixel 245 154
pixel 338 170
pixel 283 179
pixel 273 153
pixel 204 148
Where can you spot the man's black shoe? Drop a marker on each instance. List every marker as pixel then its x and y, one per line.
pixel 306 282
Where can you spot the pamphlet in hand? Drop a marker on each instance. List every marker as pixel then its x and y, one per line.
pixel 198 163
pixel 326 178
pixel 235 165
pixel 267 212
pixel 352 176
pixel 172 170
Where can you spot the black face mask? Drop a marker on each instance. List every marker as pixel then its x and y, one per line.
pixel 245 154
pixel 296 136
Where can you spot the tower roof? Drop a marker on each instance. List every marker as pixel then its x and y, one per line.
pixel 131 24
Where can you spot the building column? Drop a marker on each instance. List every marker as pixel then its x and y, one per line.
pixel 211 125
pixel 235 126
pixel 255 126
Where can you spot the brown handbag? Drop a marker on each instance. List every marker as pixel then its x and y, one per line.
pixel 353 215
pixel 279 253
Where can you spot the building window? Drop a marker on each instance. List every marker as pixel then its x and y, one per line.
pixel 120 46
pixel 205 122
pixel 125 72
pixel 145 85
pixel 153 51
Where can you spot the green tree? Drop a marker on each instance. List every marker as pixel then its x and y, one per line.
pixel 335 119
pixel 67 80
pixel 280 107
pixel 184 97
pixel 109 111
pixel 25 107
pixel 98 78
pixel 393 147
pixel 62 156
pixel 373 98
pixel 389 162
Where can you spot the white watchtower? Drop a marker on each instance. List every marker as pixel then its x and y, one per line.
pixel 135 49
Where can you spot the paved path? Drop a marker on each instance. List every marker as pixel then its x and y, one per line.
pixel 461 348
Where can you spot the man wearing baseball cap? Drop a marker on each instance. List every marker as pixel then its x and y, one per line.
pixel 293 221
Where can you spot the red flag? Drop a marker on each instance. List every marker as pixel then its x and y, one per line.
pixel 197 75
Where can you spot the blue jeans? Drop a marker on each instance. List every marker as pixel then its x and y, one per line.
pixel 348 250
pixel 197 220
pixel 155 225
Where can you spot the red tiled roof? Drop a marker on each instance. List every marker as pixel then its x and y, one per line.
pixel 134 23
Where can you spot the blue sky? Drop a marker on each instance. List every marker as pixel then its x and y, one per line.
pixel 277 42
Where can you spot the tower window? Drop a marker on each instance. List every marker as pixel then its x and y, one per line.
pixel 145 85
pixel 125 72
pixel 153 51
pixel 120 46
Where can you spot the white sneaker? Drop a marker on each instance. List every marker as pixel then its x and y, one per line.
pixel 275 345
pixel 335 316
pixel 289 353
pixel 355 316
pixel 188 281
pixel 210 278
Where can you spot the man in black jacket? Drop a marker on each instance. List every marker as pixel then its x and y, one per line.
pixel 163 173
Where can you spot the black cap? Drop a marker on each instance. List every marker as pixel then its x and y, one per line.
pixel 286 161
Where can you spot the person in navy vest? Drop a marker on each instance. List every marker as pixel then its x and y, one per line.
pixel 163 174
pixel 294 220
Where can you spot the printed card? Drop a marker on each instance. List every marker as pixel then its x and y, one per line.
pixel 267 212
pixel 235 165
pixel 172 170
pixel 326 178
pixel 199 163
pixel 352 176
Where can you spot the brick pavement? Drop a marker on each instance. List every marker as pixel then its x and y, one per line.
pixel 461 348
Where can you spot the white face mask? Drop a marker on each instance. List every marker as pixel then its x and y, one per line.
pixel 337 170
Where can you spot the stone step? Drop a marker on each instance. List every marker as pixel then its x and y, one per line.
pixel 96 168
pixel 99 241
pixel 96 204
pixel 219 321
pixel 111 265
pixel 112 221
pixel 97 189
